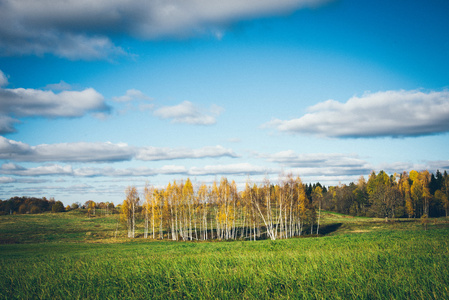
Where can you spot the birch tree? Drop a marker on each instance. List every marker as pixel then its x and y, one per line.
pixel 203 203
pixel 318 197
pixel 132 201
pixel 146 210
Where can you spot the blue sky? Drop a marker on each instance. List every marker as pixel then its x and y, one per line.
pixel 98 96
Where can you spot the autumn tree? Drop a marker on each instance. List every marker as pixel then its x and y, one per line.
pixel 249 198
pixel 203 195
pixel 263 203
pixel 23 209
pixel 361 198
pixel 129 206
pixel 405 190
pixel 317 197
pixel 187 200
pixel 170 198
pixel 90 205
pixel 146 209
pixel 420 192
pixel 424 179
pixel 160 201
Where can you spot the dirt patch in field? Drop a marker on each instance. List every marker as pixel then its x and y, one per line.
pixel 360 231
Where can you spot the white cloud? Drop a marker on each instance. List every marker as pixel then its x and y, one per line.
pixel 129 172
pixel 153 153
pixel 7 124
pixel 81 188
pixel 231 169
pixel 130 95
pixel 101 152
pixel 65 152
pixel 10 149
pixel 3 79
pixel 320 164
pixel 335 167
pixel 92 172
pixel 22 102
pixel 61 86
pixel 81 29
pixel 291 159
pixel 330 171
pixel 83 152
pixel 39 41
pixel 437 165
pixel 30 102
pixel 234 140
pixel 188 113
pixel 391 113
pixel 53 169
pixel 7 180
pixel 399 167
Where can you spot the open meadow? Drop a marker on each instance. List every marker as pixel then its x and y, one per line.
pixel 71 256
pixel 224 149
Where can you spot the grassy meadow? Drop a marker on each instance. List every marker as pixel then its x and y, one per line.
pixel 70 256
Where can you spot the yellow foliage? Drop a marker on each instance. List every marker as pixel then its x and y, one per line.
pixel 413 175
pixel 124 211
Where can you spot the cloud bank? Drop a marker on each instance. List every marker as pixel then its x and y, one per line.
pixel 231 169
pixel 154 153
pixel 67 170
pixel 13 169
pixel 382 114
pixel 320 164
pixel 80 29
pixel 102 152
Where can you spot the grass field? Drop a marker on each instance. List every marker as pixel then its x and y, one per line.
pixel 69 256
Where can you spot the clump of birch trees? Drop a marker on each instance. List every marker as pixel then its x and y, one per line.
pixel 289 208
pixel 181 211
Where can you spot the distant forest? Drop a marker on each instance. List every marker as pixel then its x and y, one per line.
pixel 30 205
pixel 411 195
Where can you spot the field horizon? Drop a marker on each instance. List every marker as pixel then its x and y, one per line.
pixel 77 226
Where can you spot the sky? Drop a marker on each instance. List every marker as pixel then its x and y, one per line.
pixel 99 95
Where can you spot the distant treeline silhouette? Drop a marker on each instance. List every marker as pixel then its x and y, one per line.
pixel 29 205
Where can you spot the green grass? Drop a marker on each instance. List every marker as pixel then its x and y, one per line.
pixel 380 261
pixel 73 226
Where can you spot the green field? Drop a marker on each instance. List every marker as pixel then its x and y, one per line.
pixel 70 256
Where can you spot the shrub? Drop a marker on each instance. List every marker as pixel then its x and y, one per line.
pixel 57 207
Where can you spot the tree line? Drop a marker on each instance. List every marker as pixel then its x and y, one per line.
pixel 29 205
pixel 411 195
pixel 33 205
pixel 288 208
pixel 280 210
